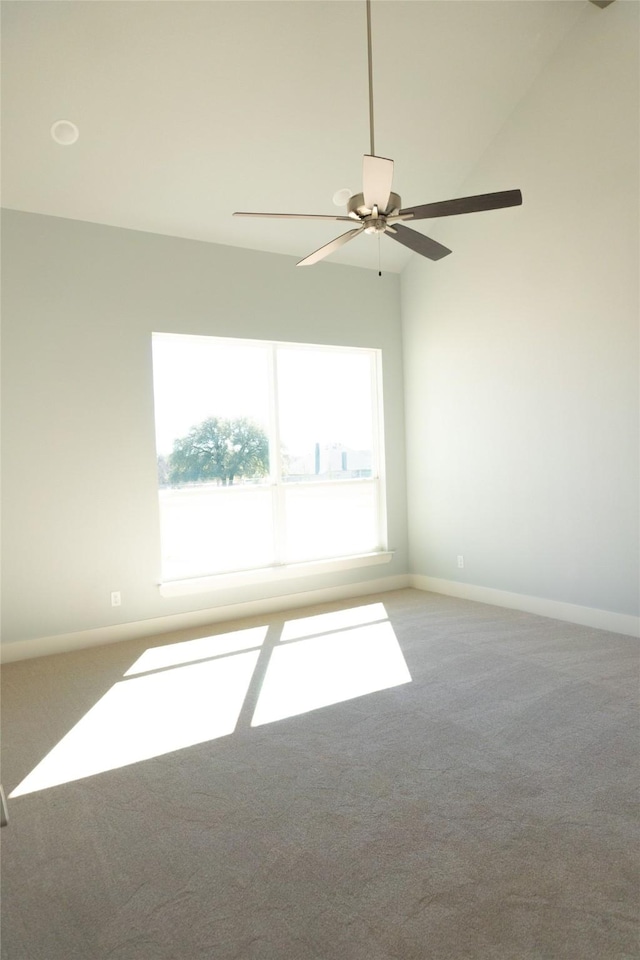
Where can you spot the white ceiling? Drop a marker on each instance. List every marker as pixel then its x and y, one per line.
pixel 190 110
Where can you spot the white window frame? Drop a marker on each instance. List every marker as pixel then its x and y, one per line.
pixel 281 570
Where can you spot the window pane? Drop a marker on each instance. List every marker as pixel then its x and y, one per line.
pixel 330 520
pixel 198 377
pixel 210 529
pixel 326 413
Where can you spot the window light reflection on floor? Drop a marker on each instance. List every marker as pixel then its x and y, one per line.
pixel 316 672
pixel 336 620
pixel 149 716
pixel 187 651
pixel 180 694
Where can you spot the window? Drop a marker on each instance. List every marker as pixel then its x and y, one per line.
pixel 269 454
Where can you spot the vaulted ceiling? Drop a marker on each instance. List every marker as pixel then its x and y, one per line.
pixel 188 111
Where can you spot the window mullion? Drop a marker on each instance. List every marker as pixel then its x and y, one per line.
pixel 277 491
pixel 379 471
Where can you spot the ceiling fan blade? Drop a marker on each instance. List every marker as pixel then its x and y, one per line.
pixel 418 242
pixel 328 248
pixel 294 216
pixel 377 177
pixel 448 208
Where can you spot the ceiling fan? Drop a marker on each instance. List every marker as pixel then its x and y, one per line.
pixel 378 210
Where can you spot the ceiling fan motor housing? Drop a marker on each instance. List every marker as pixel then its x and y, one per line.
pixel 356 208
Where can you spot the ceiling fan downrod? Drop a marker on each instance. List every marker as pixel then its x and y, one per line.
pixel 370 62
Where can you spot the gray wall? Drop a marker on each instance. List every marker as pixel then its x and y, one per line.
pixel 521 372
pixel 521 349
pixel 80 301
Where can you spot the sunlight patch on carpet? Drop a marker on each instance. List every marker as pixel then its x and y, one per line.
pixel 317 672
pixel 187 651
pixel 149 716
pixel 177 695
pixel 330 622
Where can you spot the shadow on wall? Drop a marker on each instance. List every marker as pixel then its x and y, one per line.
pixel 185 693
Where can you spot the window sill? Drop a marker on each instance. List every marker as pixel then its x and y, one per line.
pixel 182 588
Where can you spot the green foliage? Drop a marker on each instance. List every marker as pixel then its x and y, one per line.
pixel 220 450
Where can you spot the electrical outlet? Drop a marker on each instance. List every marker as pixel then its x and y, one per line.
pixel 116 599
pixel 460 561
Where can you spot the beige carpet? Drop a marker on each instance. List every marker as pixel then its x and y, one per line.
pixel 470 795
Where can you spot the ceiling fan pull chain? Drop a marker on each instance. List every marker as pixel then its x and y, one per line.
pixel 373 152
pixel 379 268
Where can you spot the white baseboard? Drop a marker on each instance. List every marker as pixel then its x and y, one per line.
pixel 67 642
pixel 556 609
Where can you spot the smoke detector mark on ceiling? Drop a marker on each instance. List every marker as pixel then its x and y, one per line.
pixel 64 132
pixel 342 197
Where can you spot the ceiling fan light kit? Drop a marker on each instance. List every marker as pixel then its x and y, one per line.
pixel 378 210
